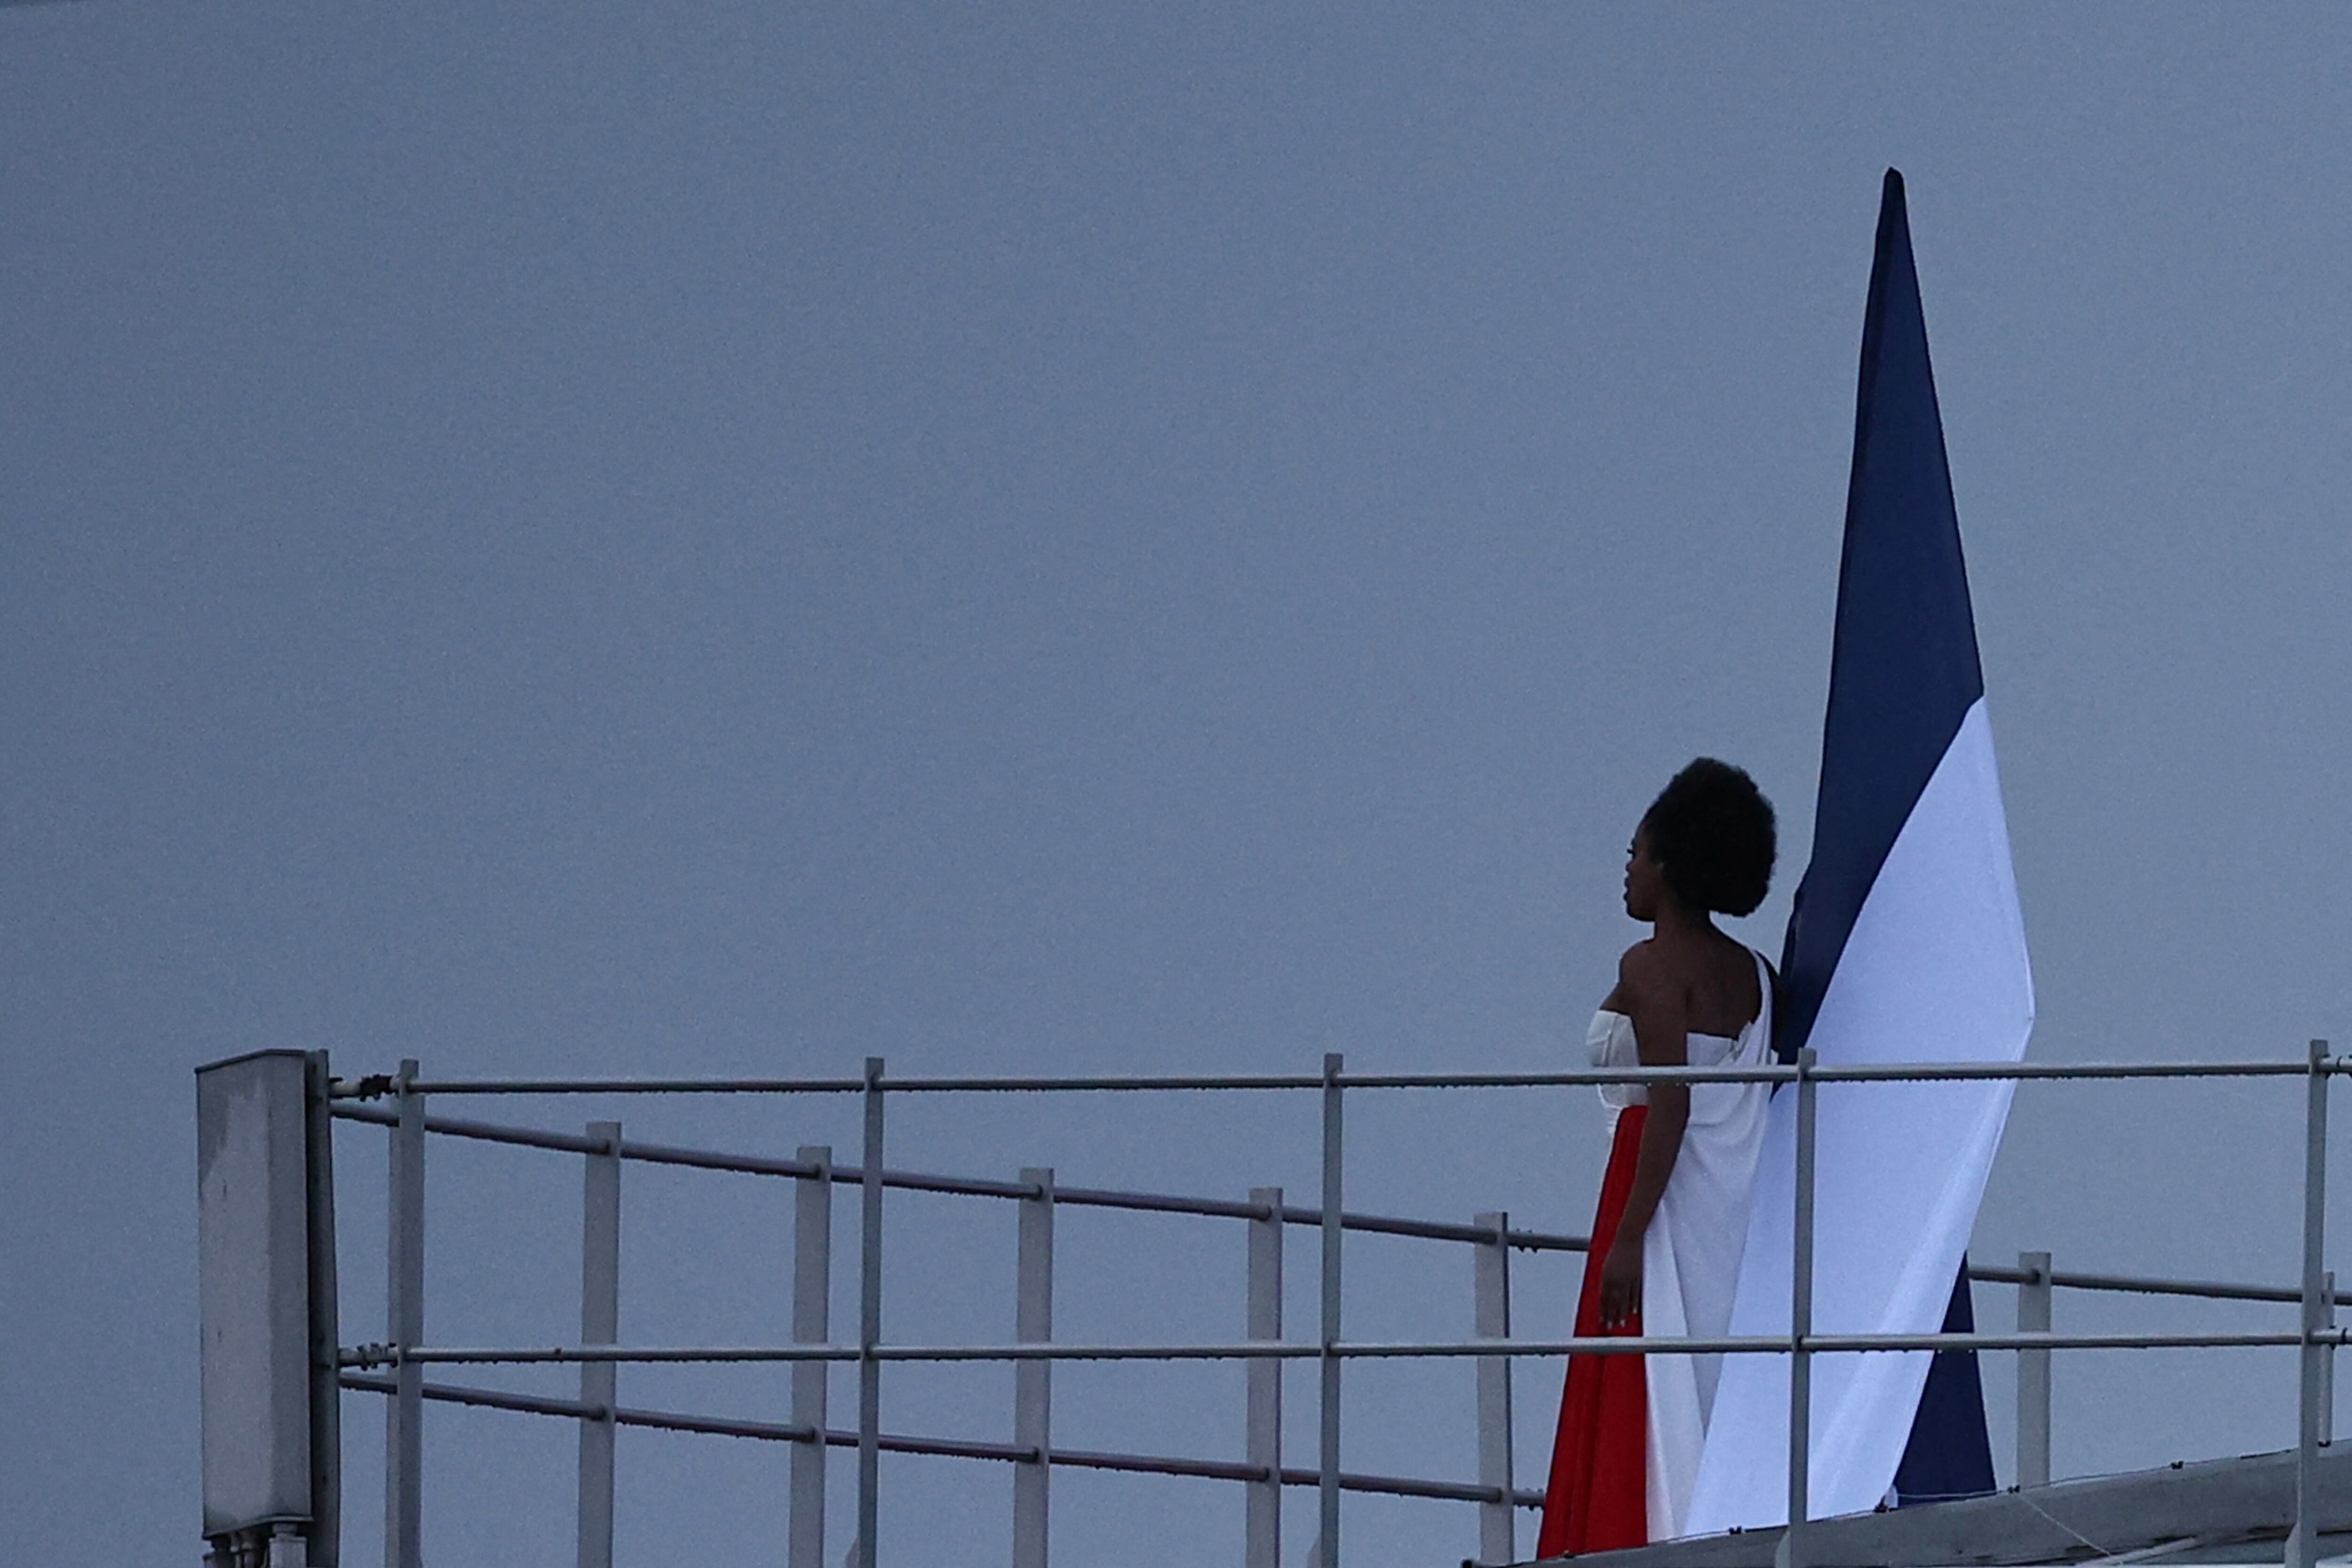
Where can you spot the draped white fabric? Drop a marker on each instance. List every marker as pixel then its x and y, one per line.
pixel 1690 1254
pixel 1935 970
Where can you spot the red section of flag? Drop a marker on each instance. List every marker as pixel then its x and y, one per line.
pixel 1598 1499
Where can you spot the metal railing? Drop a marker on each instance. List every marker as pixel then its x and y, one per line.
pixel 1038 1194
pixel 404 1355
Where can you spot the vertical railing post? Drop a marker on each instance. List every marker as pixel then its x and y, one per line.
pixel 1262 1499
pixel 2303 1543
pixel 2327 1362
pixel 1328 1472
pixel 600 1324
pixel 870 1323
pixel 1033 1381
pixel 812 1297
pixel 1800 1325
pixel 404 1436
pixel 1490 1292
pixel 2034 1297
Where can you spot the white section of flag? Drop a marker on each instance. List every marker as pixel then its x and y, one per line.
pixel 1935 970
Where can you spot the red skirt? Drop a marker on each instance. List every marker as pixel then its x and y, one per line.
pixel 1598 1495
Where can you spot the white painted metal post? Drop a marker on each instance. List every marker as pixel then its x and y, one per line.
pixel 1801 1326
pixel 403 1445
pixel 1033 1410
pixel 1490 1279
pixel 2328 1364
pixel 2303 1543
pixel 812 1293
pixel 600 1324
pixel 2033 1298
pixel 1262 1499
pixel 869 1325
pixel 1326 1542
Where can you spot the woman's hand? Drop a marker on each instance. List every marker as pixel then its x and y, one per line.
pixel 1620 1282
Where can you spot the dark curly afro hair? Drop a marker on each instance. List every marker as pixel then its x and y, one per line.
pixel 1711 832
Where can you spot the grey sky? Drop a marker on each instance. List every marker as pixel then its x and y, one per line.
pixel 736 537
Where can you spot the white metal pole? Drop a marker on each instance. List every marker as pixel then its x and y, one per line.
pixel 2303 1543
pixel 403 1446
pixel 1328 1474
pixel 812 1293
pixel 1033 1414
pixel 600 1324
pixel 2327 1363
pixel 1490 1277
pixel 1262 1501
pixel 1800 1325
pixel 2033 1299
pixel 870 1323
pixel 287 1548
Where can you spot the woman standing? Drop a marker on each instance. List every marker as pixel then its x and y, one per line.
pixel 1673 1204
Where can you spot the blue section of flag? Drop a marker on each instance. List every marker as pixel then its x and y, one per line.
pixel 1902 669
pixel 1950 1451
pixel 1903 674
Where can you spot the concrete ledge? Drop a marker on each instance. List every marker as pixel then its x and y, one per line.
pixel 2213 1511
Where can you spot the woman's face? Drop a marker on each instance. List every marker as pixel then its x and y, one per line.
pixel 1645 879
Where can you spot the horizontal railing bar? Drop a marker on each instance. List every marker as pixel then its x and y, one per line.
pixel 1225 1208
pixel 2211 1289
pixel 1291 1213
pixel 2146 1285
pixel 968 1186
pixel 565 1086
pixel 540 1405
pixel 1870 1072
pixel 1280 1350
pixel 945 1447
pixel 1854 1343
pixel 1132 1083
pixel 525 1137
pixel 1859 1072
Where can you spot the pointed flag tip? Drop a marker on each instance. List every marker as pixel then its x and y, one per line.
pixel 1893 211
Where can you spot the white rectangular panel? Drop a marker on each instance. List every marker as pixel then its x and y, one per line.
pixel 253 1289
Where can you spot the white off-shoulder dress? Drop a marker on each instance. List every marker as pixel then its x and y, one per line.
pixel 1690 1254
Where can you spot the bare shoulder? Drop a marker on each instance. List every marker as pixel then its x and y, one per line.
pixel 1644 971
pixel 1649 979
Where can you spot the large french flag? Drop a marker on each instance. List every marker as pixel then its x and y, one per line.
pixel 1905 945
